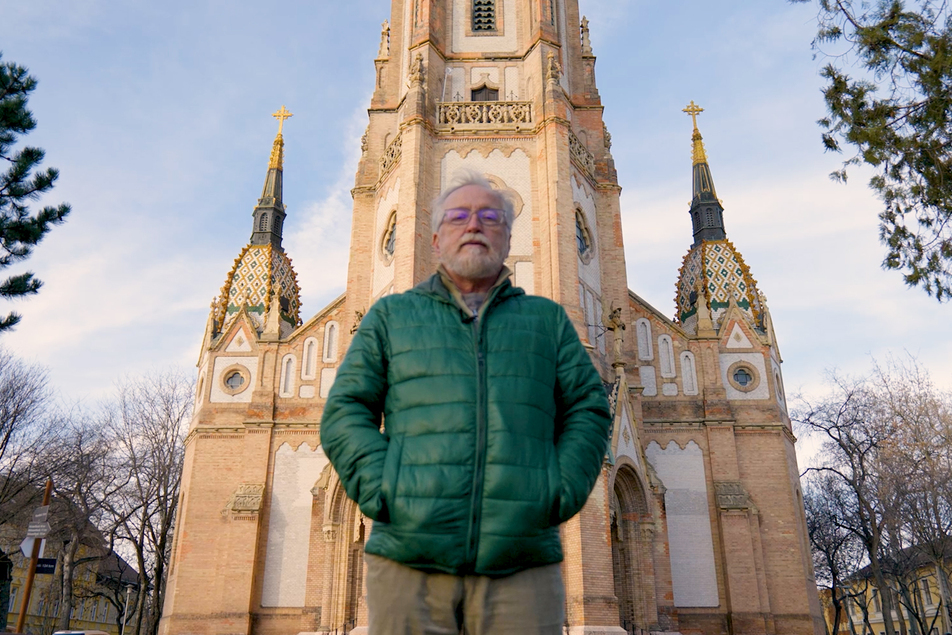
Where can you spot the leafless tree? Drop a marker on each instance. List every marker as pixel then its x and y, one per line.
pixel 25 400
pixel 148 420
pixel 886 450
pixel 86 477
pixel 837 552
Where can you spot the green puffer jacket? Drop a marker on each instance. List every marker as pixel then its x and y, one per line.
pixel 496 429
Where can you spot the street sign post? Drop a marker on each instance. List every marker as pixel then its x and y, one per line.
pixel 46 566
pixel 39 519
pixel 26 547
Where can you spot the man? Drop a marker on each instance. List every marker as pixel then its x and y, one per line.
pixel 496 424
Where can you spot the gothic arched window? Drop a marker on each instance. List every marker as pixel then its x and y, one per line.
pixel 583 236
pixel 643 333
pixel 330 342
pixel 388 242
pixel 484 15
pixel 666 354
pixel 263 223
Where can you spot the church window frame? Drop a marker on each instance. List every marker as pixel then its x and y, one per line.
pixel 666 356
pixel 484 93
pixel 688 373
pixel 235 379
pixel 309 359
pixel 743 377
pixel 584 245
pixel 643 335
pixel 331 338
pixel 286 385
pixel 263 223
pixel 388 239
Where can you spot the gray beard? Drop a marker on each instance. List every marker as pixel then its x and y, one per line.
pixel 475 266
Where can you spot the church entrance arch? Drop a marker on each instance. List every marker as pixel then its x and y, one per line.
pixel 632 548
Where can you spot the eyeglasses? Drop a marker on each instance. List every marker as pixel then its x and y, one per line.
pixel 487 216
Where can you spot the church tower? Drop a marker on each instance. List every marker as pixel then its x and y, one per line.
pixel 696 522
pixel 505 88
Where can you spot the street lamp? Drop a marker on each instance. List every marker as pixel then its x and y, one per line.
pixel 125 611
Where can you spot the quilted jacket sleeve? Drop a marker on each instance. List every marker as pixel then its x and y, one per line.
pixel 582 421
pixel 350 427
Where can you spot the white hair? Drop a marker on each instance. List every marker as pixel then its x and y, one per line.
pixel 462 178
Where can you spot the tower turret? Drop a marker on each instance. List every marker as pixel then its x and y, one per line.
pixel 713 273
pixel 262 273
pixel 269 213
pixel 707 214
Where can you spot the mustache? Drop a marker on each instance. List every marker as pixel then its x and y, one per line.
pixel 472 237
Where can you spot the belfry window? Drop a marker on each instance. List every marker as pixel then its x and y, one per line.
pixel 485 93
pixel 484 15
pixel 263 223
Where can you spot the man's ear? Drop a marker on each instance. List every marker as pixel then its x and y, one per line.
pixel 436 245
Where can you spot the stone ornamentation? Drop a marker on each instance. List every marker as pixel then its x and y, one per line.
pixel 553 70
pixel 246 499
pixel 586 43
pixel 391 156
pixel 732 495
pixel 493 114
pixel 582 157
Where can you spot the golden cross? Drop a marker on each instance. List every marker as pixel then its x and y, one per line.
pixel 284 113
pixel 694 110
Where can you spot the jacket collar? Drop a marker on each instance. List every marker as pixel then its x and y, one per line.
pixel 441 287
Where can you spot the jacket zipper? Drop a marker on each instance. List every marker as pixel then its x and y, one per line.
pixel 472 541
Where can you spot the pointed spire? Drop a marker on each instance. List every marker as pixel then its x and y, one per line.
pixel 269 213
pixel 707 214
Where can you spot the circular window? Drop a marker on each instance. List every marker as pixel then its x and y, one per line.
pixel 583 237
pixel 388 241
pixel 743 377
pixel 235 379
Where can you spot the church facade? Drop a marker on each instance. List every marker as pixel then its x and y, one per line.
pixel 696 524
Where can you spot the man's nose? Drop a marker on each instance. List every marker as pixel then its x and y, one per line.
pixel 473 223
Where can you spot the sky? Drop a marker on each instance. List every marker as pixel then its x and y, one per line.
pixel 158 116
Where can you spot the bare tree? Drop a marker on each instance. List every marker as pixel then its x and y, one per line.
pixel 854 428
pixel 148 420
pixel 886 449
pixel 86 477
pixel 837 552
pixel 25 400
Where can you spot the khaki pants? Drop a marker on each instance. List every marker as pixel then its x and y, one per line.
pixel 404 601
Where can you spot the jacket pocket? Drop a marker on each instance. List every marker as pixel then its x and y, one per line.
pixel 554 478
pixel 391 472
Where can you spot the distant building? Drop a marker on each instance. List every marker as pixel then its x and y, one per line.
pixel 696 524
pixel 94 582
pixel 916 583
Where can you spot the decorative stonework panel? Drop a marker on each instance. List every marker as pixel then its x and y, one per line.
pixel 289 525
pixel 246 499
pixel 732 495
pixel 584 159
pixel 485 115
pixel 693 575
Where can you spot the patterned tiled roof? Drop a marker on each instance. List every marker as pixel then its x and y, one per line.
pixel 251 282
pixel 718 268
